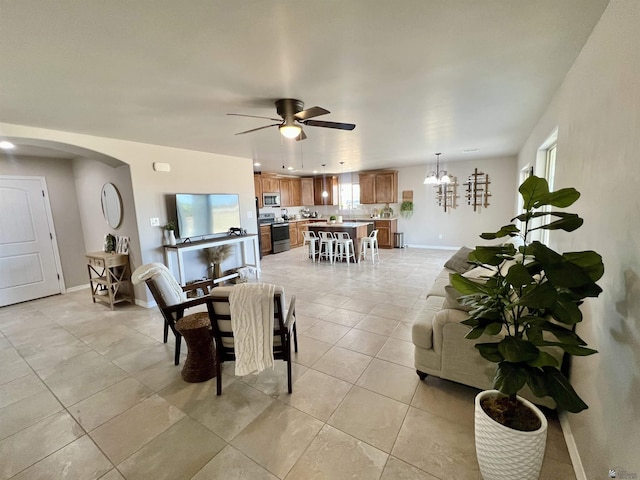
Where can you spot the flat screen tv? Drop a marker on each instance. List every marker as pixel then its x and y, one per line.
pixel 201 214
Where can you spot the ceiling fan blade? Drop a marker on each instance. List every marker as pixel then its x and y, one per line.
pixel 259 128
pixel 311 112
pixel 320 123
pixel 302 136
pixel 254 116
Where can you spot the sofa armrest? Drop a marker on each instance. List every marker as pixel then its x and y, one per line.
pixel 445 317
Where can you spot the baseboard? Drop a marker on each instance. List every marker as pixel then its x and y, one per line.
pixel 572 447
pixel 142 303
pixel 76 289
pixel 433 247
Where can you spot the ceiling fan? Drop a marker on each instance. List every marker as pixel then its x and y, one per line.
pixel 293 117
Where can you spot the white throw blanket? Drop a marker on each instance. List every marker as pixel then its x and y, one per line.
pixel 252 311
pixel 169 288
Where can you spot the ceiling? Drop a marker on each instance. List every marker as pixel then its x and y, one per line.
pixel 416 76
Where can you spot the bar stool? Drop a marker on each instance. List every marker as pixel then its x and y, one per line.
pixel 311 240
pixel 327 243
pixel 344 247
pixel 370 242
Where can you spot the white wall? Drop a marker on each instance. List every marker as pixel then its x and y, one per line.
pixel 191 171
pixel 597 112
pixel 90 176
pixel 459 226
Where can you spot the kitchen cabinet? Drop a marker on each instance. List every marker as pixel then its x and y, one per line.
pixel 386 229
pixel 296 192
pixel 302 227
pixel 265 239
pixel 270 185
pixel 294 238
pixel 379 187
pixel 328 183
pixel 285 192
pixel 290 192
pixel 109 277
pixel 306 195
pixel 257 185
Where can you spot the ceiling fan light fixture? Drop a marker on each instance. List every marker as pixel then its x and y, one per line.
pixel 289 130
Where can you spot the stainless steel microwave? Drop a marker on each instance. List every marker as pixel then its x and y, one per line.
pixel 271 199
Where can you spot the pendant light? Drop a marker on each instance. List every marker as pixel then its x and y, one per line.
pixel 437 177
pixel 325 194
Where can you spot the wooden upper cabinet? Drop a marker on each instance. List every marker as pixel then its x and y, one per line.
pixel 270 185
pixel 379 187
pixel 295 186
pixel 328 183
pixel 285 192
pixel 257 184
pixel 387 187
pixel 306 187
pixel 367 188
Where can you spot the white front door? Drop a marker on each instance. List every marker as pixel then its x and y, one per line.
pixel 28 267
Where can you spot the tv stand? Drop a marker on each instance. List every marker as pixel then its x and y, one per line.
pixel 174 254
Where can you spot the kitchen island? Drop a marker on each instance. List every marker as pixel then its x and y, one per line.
pixel 356 230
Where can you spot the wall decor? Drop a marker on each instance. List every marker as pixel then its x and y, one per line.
pixel 447 195
pixel 477 193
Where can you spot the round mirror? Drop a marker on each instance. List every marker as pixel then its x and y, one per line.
pixel 111 205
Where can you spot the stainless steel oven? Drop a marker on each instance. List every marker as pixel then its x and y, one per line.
pixel 271 199
pixel 280 241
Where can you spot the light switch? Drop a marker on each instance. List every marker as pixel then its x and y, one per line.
pixel 155 222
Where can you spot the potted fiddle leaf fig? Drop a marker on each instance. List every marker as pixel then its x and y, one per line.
pixel 530 302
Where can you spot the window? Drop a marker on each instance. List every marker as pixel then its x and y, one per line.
pixel 349 194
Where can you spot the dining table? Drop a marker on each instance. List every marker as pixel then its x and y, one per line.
pixel 356 230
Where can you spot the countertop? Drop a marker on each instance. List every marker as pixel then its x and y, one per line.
pixel 352 220
pixel 343 224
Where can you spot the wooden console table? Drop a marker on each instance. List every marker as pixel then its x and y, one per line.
pixel 174 254
pixel 109 273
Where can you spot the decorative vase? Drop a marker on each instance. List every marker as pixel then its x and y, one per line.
pixel 504 453
pixel 172 237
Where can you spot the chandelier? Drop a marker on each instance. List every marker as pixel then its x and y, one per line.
pixel 438 177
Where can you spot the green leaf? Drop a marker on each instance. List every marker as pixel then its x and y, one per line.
pixel 590 261
pixel 534 335
pixel 474 333
pixel 507 230
pixel 493 328
pixel 566 311
pixel 516 350
pixel 518 275
pixel 563 198
pixel 567 274
pixel 538 296
pixel 544 360
pixel 510 378
pixel 465 285
pixel 563 334
pixel 559 388
pixel 535 380
pixel 568 223
pixel 532 190
pixel 493 255
pixel 576 350
pixel 490 352
pixel 544 254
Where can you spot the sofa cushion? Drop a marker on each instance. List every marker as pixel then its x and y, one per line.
pixel 460 260
pixel 451 299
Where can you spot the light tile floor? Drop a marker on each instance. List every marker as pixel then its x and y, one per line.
pixel 87 393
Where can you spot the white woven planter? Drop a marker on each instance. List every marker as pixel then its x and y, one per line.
pixel 504 453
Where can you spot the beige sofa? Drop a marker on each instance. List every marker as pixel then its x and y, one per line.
pixel 441 349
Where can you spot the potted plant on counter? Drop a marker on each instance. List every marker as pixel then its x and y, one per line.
pixel 332 219
pixel 531 297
